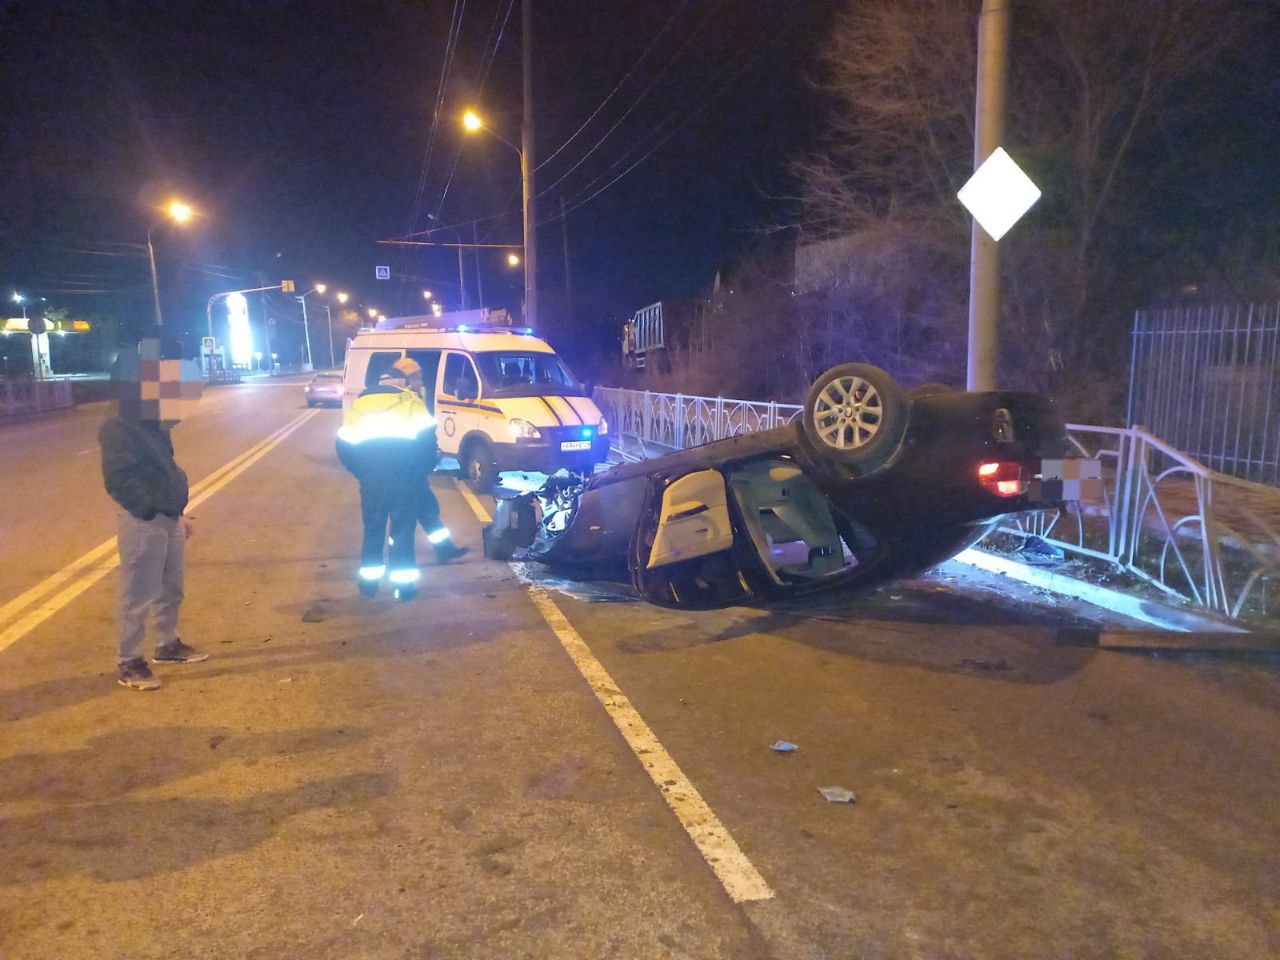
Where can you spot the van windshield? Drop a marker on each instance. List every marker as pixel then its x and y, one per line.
pixel 520 374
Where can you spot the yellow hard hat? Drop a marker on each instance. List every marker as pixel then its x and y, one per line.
pixel 407 366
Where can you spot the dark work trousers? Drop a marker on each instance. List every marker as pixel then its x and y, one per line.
pixel 380 502
pixel 429 509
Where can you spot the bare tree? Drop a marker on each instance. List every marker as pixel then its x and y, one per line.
pixel 1096 85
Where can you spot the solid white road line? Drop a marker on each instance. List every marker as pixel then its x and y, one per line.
pixel 102 559
pixel 736 873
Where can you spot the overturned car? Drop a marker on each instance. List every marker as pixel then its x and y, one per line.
pixel 869 484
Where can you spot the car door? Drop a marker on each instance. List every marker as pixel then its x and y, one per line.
pixel 685 552
pixel 456 416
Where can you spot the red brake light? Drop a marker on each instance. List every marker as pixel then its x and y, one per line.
pixel 1001 478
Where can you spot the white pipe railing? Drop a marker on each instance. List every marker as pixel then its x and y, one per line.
pixel 1191 532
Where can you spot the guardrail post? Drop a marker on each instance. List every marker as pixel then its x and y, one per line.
pixel 679 424
pixel 718 433
pixel 646 419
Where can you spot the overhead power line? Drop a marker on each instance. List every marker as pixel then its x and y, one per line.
pixel 618 86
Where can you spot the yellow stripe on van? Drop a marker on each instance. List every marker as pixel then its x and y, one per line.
pixel 565 409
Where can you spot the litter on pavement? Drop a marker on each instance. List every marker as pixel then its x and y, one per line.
pixel 783 746
pixel 838 795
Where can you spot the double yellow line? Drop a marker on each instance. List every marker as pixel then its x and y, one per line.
pixel 59 589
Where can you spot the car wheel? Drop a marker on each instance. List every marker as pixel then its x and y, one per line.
pixel 928 389
pixel 855 414
pixel 478 466
pixel 311 403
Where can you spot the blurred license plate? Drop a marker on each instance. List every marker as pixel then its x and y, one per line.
pixel 576 445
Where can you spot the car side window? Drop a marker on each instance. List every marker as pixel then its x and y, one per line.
pixel 460 376
pixel 429 360
pixel 379 363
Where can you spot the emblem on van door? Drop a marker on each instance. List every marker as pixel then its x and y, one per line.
pixel 449 426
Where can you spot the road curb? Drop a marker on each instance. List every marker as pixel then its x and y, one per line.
pixel 1161 615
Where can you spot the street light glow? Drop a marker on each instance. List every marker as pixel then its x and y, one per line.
pixel 372 312
pixel 513 260
pixel 471 121
pixel 240 336
pixel 343 297
pixel 17 297
pixel 179 212
pixel 426 294
pixel 321 288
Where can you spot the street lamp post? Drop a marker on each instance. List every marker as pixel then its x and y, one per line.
pixel 462 283
pixel 329 315
pixel 178 212
pixel 472 122
pixel 306 330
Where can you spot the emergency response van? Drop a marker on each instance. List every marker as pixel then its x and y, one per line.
pixel 501 397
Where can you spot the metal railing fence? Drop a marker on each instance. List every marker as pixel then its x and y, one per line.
pixel 643 423
pixel 1207 380
pixel 1195 534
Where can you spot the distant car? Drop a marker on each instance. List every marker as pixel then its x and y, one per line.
pixel 869 484
pixel 325 388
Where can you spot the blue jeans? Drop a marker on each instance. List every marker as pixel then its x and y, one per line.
pixel 152 565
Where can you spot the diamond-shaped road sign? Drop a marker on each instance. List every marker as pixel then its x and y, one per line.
pixel 998 194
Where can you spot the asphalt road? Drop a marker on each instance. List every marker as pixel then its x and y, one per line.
pixel 513 769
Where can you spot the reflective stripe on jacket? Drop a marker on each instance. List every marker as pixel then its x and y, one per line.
pixel 388 436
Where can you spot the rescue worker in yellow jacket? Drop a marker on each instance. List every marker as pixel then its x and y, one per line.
pixel 428 506
pixel 388 443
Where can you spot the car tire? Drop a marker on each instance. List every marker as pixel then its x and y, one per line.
pixel 928 389
pixel 311 403
pixel 478 466
pixel 855 414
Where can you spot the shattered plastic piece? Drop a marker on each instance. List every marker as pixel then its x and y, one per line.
pixel 313 615
pixel 1035 550
pixel 838 795
pixel 783 746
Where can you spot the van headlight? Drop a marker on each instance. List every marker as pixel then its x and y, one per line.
pixel 524 429
pixel 604 427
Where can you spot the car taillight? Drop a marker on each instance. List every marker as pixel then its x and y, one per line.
pixel 1002 478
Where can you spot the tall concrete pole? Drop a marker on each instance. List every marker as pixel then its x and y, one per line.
pixel 475 250
pixel 306 330
pixel 527 165
pixel 462 280
pixel 984 257
pixel 155 280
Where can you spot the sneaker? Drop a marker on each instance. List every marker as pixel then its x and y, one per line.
pixel 177 652
pixel 450 551
pixel 136 675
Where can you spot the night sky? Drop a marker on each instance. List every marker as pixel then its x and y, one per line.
pixel 299 129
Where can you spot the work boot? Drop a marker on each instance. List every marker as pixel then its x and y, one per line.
pixel 175 651
pixel 448 550
pixel 405 592
pixel 368 588
pixel 136 675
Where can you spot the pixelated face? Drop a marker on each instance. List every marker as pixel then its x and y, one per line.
pixel 155 385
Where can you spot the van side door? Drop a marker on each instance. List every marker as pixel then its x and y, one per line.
pixel 457 416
